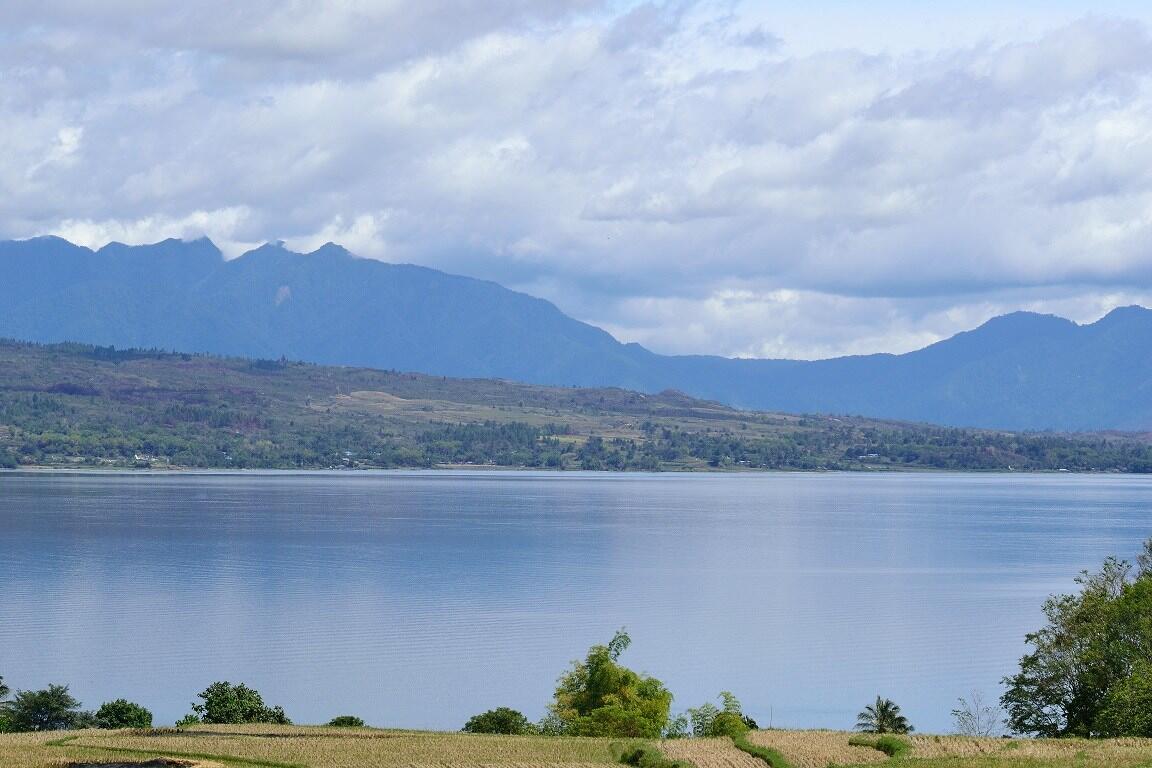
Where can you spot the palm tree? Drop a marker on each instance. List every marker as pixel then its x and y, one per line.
pixel 882 717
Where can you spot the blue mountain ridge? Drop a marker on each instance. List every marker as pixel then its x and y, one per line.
pixel 1018 371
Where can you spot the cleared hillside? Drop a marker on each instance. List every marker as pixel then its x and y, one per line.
pixel 79 405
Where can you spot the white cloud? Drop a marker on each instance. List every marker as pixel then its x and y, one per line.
pixel 701 177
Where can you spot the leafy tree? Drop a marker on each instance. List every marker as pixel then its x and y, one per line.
pixel 500 720
pixel 709 720
pixel 883 716
pixel 50 709
pixel 224 703
pixel 85 718
pixel 122 713
pixel 702 718
pixel 5 724
pixel 599 697
pixel 1086 665
pixel 677 727
pixel 346 721
pixel 1127 709
pixel 187 720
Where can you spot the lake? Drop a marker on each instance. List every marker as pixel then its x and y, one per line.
pixel 417 599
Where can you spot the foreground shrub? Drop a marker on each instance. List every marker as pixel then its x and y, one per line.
pixel 892 746
pixel 346 721
pixel 646 756
pixel 500 720
pixel 122 713
pixel 227 704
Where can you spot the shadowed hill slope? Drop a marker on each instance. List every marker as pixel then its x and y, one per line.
pixel 1020 371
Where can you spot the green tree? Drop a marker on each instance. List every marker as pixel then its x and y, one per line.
pixel 1087 660
pixel 5 724
pixel 346 721
pixel 599 697
pixel 224 703
pixel 727 720
pixel 50 709
pixel 1127 709
pixel 500 720
pixel 122 713
pixel 883 716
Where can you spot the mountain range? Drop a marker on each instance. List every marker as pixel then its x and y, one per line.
pixel 1018 371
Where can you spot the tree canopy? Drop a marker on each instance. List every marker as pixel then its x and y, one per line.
pixel 224 703
pixel 600 697
pixel 500 720
pixel 1090 669
pixel 122 713
pixel 882 716
pixel 50 709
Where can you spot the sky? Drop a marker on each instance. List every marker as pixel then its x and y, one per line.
pixel 758 179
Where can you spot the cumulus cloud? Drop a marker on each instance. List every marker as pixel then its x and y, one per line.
pixel 677 172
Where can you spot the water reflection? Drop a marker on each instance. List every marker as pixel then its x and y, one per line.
pixel 418 599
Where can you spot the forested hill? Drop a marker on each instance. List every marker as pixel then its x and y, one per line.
pixel 87 406
pixel 1020 371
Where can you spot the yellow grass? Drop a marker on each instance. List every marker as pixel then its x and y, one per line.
pixel 710 753
pixel 942 751
pixel 307 747
pixel 816 749
pixel 271 746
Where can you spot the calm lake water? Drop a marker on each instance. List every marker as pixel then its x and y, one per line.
pixel 417 599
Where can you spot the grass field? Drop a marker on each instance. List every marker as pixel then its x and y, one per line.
pixel 302 747
pixel 280 747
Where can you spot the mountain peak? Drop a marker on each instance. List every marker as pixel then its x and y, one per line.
pixel 1133 313
pixel 332 250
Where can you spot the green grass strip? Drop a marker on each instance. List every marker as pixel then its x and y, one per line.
pixel 767 754
pixel 67 741
pixel 893 746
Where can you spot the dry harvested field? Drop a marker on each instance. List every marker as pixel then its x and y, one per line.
pixel 816 749
pixel 820 749
pixel 931 751
pixel 710 753
pixel 281 747
pixel 300 747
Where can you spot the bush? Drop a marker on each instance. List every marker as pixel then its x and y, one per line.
pixel 122 713
pixel 500 720
pixel 646 756
pixel 346 721
pixel 892 746
pixel 227 704
pixel 728 724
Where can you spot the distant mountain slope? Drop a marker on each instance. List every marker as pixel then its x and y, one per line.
pixel 76 405
pixel 1020 371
